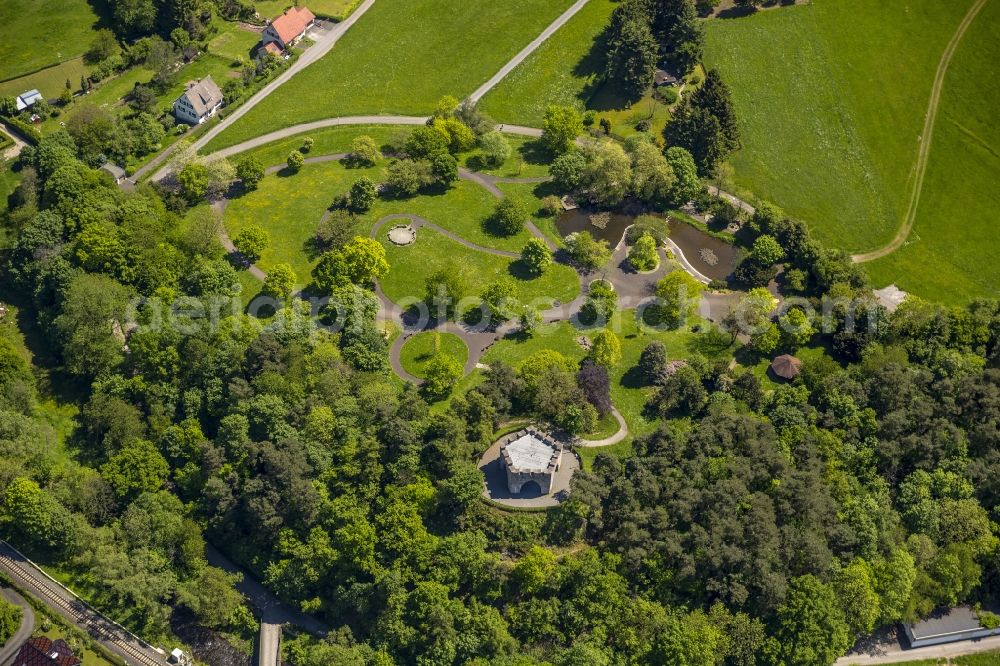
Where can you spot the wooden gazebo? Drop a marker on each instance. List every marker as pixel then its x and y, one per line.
pixel 786 366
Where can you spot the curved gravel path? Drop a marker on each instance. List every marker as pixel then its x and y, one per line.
pixel 417 222
pixel 926 138
pixel 632 287
pixel 608 441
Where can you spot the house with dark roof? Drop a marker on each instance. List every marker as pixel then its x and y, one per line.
pixel 199 102
pixel 664 78
pixel 288 28
pixel 43 651
pixel 116 172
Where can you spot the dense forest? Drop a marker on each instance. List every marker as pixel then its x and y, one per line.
pixel 756 525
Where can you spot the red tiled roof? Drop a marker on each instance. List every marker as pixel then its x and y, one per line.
pixel 272 47
pixel 292 23
pixel 42 651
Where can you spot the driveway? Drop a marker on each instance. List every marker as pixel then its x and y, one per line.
pixel 15 150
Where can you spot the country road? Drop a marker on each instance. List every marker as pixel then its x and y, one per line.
pixel 926 139
pixel 23 632
pixel 893 653
pixel 319 49
pixel 527 51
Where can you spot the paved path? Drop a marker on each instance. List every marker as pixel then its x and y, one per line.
pixel 316 51
pixel 277 135
pixel 926 138
pixel 893 653
pixel 632 288
pixel 64 602
pixel 417 222
pixel 13 151
pixel 526 51
pixel 273 613
pixel 23 632
pixel 731 198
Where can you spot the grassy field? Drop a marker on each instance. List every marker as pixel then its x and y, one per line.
pixel 39 33
pixel 50 81
pixel 628 394
pixel 292 220
pixel 402 57
pixel 233 42
pixel 335 8
pixel 464 210
pixel 831 99
pixel 419 349
pixel 952 254
pixel 432 252
pixel 562 71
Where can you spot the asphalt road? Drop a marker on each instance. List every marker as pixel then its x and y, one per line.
pixel 890 651
pixel 23 632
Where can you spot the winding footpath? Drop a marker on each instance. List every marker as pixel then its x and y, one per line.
pixel 926 139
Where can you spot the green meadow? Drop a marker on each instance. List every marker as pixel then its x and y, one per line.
pixel 401 57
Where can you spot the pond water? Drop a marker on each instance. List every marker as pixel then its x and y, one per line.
pixel 713 258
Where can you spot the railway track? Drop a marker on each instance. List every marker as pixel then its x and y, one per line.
pixel 96 625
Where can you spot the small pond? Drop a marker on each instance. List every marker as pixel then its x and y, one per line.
pixel 713 258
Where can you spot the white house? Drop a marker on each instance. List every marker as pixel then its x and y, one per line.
pixel 289 27
pixel 199 102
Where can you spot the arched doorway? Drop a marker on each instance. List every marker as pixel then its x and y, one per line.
pixel 530 489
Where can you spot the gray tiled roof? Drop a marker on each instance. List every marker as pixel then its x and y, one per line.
pixel 204 95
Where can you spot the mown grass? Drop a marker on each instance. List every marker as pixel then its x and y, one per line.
pixel 418 350
pixel 326 141
pixel 334 8
pixel 952 254
pixel 831 99
pixel 464 209
pixel 532 194
pixel 401 57
pixel 628 393
pixel 562 71
pixel 233 42
pixel 528 159
pixel 50 81
pixel 39 33
pixel 432 252
pixel 289 207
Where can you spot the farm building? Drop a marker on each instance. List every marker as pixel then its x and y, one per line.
pixel 28 99
pixel 288 28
